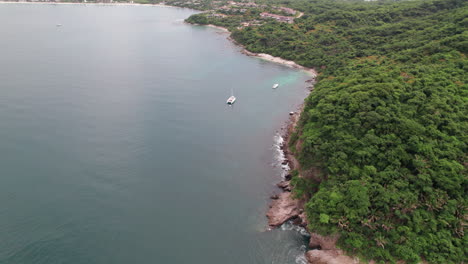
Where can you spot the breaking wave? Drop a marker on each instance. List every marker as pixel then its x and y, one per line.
pixel 290 226
pixel 279 154
pixel 301 259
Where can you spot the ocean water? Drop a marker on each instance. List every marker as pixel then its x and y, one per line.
pixel 117 145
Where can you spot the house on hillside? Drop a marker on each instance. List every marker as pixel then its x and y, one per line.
pixel 278 17
pixel 217 15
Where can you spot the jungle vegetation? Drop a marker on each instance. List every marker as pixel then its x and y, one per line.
pixel 386 124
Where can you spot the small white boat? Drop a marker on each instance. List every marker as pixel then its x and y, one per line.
pixel 275 85
pixel 59 25
pixel 231 99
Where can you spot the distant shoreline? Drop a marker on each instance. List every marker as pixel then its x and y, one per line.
pixel 90 3
pixel 263 56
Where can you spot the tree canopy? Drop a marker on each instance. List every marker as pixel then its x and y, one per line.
pixel 386 124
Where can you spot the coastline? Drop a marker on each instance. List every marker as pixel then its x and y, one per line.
pixel 267 57
pixel 303 187
pixel 217 27
pixel 97 4
pixel 262 56
pixel 76 3
pixel 284 208
pixel 278 60
pixel 295 207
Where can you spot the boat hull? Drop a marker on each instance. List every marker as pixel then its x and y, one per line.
pixel 231 100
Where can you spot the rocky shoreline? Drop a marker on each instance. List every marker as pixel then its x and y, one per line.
pixel 284 207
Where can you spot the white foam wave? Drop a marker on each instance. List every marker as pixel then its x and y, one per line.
pixel 279 154
pixel 290 226
pixel 301 259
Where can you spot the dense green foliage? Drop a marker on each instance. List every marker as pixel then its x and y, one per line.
pixel 390 139
pixel 386 124
pixel 230 22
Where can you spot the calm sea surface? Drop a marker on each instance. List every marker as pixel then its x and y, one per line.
pixel 117 146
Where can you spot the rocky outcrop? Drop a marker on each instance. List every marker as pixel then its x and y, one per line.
pixel 329 257
pixel 283 209
pixel 303 219
pixel 323 242
pixel 284 185
pixel 324 251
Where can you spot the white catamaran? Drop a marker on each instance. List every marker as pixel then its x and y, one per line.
pixel 231 99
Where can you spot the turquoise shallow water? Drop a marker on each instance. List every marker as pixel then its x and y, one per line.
pixel 117 145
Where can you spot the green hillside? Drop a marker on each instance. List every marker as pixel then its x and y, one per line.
pixel 386 124
pixel 385 130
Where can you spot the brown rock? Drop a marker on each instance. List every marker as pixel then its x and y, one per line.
pixel 297 221
pixel 323 242
pixel 329 257
pixel 284 185
pixel 274 197
pixel 303 218
pixel 282 209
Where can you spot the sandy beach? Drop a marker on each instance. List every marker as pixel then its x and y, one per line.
pixel 274 59
pixel 218 27
pixel 279 60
